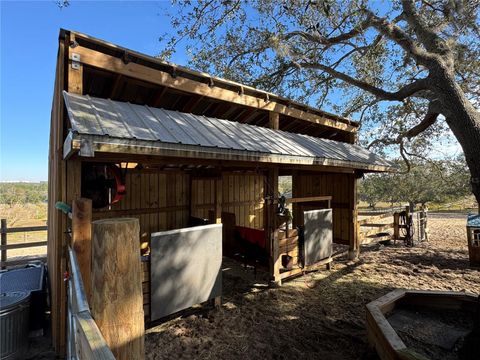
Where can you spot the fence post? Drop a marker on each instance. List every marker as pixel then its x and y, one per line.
pixel 4 241
pixel 396 222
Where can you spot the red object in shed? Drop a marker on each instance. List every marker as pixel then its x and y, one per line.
pixel 253 236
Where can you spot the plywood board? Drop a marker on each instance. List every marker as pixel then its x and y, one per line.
pixel 185 268
pixel 318 235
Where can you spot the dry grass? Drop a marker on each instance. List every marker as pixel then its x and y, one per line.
pixel 21 215
pixel 320 315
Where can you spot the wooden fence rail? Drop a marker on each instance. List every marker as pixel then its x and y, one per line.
pixel 4 246
pixel 370 227
pixel 85 341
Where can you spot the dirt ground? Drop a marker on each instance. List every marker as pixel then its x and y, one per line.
pixel 320 315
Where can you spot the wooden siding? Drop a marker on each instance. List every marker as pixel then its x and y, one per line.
pixel 160 200
pixel 243 195
pixel 340 187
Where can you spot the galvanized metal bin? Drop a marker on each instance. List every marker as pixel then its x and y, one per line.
pixel 14 312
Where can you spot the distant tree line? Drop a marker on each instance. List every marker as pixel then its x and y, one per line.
pixel 428 181
pixel 23 193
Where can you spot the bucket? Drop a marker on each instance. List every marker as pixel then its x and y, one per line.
pixel 14 312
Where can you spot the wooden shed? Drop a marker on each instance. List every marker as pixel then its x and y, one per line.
pixel 188 145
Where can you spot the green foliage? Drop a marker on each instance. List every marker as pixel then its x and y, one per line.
pixel 23 193
pixel 302 49
pixel 430 181
pixel 284 184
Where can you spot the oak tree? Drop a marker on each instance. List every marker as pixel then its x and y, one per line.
pixel 408 69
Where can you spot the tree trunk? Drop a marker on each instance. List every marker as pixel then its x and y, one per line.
pixel 464 121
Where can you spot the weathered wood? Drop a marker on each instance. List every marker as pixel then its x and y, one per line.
pixel 379 225
pixel 273 120
pixel 272 227
pixel 56 220
pixel 310 199
pixel 84 338
pixel 218 201
pixel 299 271
pixel 107 62
pixel 82 239
pixel 374 218
pixel 370 239
pixel 75 70
pixel 8 230
pixel 23 245
pixel 381 334
pixel 117 300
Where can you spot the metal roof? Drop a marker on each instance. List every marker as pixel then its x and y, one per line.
pixel 105 120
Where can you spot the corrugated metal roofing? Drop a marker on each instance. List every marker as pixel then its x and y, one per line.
pixel 120 120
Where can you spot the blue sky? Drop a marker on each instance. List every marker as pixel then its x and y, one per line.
pixel 28 48
pixel 29 40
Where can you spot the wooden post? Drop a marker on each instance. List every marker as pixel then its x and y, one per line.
pixel 117 298
pixel 218 201
pixel 82 239
pixel 75 70
pixel 354 250
pixel 272 191
pixel 274 120
pixel 396 229
pixel 271 224
pixel 4 241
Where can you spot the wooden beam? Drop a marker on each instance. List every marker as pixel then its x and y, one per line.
pixel 192 103
pixel 218 200
pixel 75 71
pixel 309 199
pixel 110 63
pixel 354 246
pixel 155 160
pixel 117 87
pixel 273 120
pixel 82 239
pixel 374 218
pixel 158 97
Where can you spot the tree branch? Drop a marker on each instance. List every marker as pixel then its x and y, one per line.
pixel 406 91
pixel 429 119
pixel 428 38
pixel 357 30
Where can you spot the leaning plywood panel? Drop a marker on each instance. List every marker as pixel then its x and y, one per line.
pixel 317 235
pixel 185 268
pixel 117 297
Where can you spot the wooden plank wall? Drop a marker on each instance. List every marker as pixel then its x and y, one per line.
pixel 56 220
pixel 242 195
pixel 339 186
pixel 203 197
pixel 160 200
